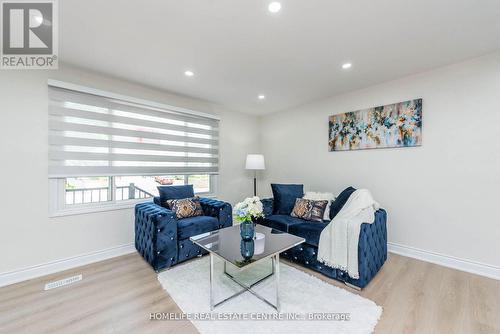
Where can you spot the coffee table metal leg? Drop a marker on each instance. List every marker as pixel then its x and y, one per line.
pixel 276 269
pixel 211 282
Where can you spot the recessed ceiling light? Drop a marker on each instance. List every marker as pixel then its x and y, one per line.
pixel 261 97
pixel 189 73
pixel 274 7
pixel 346 66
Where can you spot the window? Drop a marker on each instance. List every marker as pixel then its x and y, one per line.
pixel 107 152
pixel 85 190
pixel 81 190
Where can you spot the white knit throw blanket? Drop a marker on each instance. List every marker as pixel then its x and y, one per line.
pixel 338 242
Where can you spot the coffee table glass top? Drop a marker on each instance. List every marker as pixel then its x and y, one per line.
pixel 228 244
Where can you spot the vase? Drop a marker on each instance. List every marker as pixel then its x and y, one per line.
pixel 247 249
pixel 247 230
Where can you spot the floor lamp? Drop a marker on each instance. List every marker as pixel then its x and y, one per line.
pixel 255 162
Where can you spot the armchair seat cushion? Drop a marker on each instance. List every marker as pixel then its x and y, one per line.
pixel 282 222
pixel 309 231
pixel 191 226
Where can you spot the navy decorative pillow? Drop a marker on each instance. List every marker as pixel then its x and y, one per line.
pixel 285 196
pixel 309 209
pixel 339 202
pixel 175 192
pixel 186 207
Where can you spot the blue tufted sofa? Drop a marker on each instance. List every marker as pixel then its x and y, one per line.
pixel 163 240
pixel 372 248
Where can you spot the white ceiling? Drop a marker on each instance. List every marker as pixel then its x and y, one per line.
pixel 239 50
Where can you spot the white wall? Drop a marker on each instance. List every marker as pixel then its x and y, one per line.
pixel 441 197
pixel 28 237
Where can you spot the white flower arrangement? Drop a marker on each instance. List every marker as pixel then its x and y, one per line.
pixel 249 209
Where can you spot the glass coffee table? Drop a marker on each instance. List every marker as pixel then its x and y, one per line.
pixel 228 245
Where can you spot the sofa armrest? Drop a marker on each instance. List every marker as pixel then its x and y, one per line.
pixel 156 234
pixel 372 249
pixel 223 211
pixel 268 204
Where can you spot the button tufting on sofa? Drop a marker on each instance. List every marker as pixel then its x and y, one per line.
pixel 372 250
pixel 156 232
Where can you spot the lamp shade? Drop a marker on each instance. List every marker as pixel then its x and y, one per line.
pixel 255 162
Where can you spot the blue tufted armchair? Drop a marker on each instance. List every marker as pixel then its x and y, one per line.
pixel 163 240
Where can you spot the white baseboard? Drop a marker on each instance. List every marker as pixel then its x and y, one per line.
pixel 446 260
pixel 27 273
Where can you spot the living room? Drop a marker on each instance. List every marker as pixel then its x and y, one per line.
pixel 366 130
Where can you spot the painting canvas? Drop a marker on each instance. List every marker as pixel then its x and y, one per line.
pixel 393 125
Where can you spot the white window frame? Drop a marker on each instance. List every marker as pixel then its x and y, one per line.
pixel 58 206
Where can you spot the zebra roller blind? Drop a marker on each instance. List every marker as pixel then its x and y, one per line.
pixel 92 135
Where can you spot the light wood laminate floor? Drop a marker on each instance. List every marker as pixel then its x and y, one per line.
pixel 117 296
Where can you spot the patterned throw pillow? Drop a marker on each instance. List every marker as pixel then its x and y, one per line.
pixel 321 197
pixel 186 207
pixel 308 209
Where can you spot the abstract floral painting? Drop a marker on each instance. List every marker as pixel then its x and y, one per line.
pixel 393 125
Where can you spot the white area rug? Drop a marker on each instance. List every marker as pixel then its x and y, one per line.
pixel 300 293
